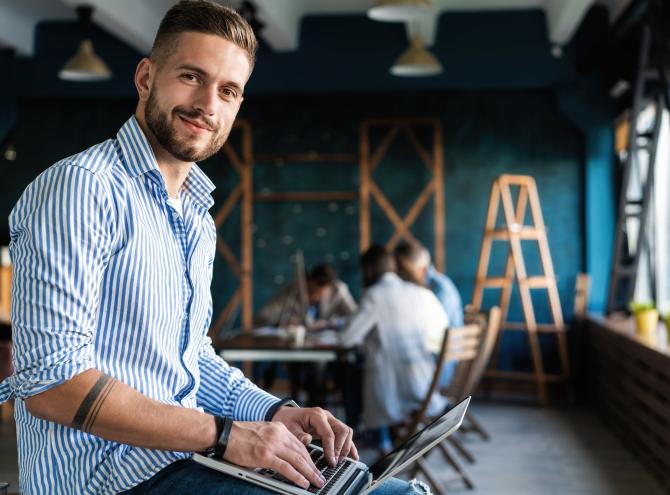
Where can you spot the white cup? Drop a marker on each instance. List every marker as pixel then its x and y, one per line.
pixel 297 335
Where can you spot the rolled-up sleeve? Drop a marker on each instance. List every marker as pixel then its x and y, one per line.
pixel 225 391
pixel 60 244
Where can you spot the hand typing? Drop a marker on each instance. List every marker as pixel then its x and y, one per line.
pixel 272 446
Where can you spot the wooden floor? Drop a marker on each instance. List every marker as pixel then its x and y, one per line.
pixel 533 452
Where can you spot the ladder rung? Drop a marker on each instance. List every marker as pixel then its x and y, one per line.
pixel 523 233
pixel 540 327
pixel 536 282
pixel 528 376
pixel 495 281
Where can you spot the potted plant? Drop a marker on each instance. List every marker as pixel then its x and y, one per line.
pixel 646 320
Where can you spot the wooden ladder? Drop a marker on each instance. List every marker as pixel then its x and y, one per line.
pixel 514 231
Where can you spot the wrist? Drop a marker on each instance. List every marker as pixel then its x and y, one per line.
pixel 274 409
pixel 220 428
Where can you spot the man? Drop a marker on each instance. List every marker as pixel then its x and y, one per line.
pixel 115 380
pixel 414 265
pixel 328 299
pixel 393 324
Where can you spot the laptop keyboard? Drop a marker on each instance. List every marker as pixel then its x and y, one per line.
pixel 332 474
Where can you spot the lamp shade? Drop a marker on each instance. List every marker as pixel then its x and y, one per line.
pixel 85 66
pixel 400 10
pixel 416 61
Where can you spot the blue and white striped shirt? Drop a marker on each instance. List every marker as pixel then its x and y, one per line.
pixel 108 275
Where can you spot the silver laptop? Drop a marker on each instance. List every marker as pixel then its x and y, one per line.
pixel 350 476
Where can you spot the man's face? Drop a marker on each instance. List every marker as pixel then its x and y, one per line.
pixel 195 95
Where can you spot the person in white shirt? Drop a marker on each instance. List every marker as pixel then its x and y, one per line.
pixel 397 324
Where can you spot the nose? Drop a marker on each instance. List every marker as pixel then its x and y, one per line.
pixel 207 99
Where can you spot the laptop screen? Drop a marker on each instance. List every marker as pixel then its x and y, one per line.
pixel 421 442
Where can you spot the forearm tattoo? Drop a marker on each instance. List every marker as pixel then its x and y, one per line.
pixel 90 407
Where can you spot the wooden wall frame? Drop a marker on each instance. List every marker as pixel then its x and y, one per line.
pixel 370 159
pixel 242 162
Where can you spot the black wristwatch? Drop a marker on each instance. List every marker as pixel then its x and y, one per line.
pixel 277 405
pixel 223 427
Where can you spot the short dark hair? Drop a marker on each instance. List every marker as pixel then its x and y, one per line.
pixel 207 17
pixel 375 262
pixel 322 275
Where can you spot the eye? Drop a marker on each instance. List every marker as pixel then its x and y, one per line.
pixel 190 77
pixel 228 93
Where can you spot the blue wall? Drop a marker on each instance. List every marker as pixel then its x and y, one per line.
pixel 506 105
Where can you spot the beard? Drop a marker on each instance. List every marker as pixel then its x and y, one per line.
pixel 160 124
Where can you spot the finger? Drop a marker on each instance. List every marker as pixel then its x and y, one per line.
pixel 346 443
pixel 353 451
pixel 319 421
pixel 304 437
pixel 342 434
pixel 289 472
pixel 300 460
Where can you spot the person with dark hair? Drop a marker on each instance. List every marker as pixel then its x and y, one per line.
pixel 116 382
pixel 329 303
pixel 393 324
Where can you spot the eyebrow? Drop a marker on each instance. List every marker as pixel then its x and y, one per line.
pixel 203 73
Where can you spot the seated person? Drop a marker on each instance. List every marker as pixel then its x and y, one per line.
pixel 413 261
pixel 394 322
pixel 328 298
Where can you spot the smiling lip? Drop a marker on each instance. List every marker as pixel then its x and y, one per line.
pixel 195 125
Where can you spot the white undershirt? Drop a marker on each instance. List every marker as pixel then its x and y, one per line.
pixel 176 204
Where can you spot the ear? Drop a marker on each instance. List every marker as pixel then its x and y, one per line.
pixel 143 78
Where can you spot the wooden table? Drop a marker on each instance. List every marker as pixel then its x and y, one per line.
pixel 247 347
pixel 628 381
pixel 306 365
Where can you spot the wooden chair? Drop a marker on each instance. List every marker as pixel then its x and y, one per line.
pixel 459 344
pixel 469 372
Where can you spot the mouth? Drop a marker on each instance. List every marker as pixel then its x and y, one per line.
pixel 194 125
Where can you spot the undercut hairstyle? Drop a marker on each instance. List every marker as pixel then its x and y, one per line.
pixel 206 17
pixel 375 262
pixel 322 275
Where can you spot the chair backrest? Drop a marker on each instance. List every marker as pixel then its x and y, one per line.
pixel 490 325
pixel 458 344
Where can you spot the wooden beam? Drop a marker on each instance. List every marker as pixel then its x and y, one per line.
pixel 382 149
pixel 228 255
pixel 425 156
pixel 307 196
pixel 228 205
pixel 233 157
pixel 414 211
pixel 232 304
pixel 439 216
pixel 246 225
pixel 289 158
pixel 386 207
pixel 364 190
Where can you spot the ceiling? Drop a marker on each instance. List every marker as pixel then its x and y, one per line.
pixel 135 22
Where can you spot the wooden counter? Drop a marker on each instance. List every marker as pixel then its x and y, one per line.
pixel 628 383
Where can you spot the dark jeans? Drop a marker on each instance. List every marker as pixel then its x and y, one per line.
pixel 188 477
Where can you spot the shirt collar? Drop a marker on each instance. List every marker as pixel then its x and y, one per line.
pixel 140 159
